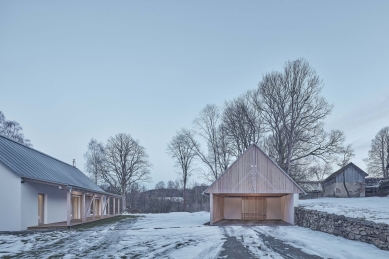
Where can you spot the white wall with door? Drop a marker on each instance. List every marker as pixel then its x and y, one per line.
pixel 54 206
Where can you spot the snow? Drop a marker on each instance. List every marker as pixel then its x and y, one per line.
pixel 177 235
pixel 324 245
pixel 375 209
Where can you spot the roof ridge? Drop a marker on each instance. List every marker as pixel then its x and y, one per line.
pixel 342 168
pixel 33 149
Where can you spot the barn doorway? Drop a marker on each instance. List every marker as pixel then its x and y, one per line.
pixel 254 208
pixel 41 209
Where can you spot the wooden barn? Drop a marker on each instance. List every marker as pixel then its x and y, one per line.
pixel 253 188
pixel 348 181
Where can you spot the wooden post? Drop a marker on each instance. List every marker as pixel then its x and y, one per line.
pixel 94 208
pixel 109 206
pixel 83 207
pixel 68 206
pixel 102 207
pixel 211 209
pixel 114 206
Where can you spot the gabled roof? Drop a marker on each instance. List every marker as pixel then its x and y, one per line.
pixel 344 168
pixel 31 164
pixel 254 172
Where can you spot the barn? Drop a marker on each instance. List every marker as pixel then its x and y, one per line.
pixel 39 191
pixel 253 188
pixel 348 181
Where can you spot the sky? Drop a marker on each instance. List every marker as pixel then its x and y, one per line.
pixel 75 70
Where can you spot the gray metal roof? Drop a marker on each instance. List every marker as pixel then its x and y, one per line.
pixel 32 164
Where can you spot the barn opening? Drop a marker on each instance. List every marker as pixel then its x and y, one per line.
pixel 253 188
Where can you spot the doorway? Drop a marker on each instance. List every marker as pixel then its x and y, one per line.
pixel 41 209
pixel 253 208
pixel 75 207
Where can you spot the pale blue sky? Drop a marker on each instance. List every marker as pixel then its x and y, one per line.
pixel 73 70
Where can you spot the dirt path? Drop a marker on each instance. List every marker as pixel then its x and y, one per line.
pixel 285 250
pixel 250 243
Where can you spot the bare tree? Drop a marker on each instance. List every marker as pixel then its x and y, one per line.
pixel 95 160
pixel 126 163
pixel 181 149
pixel 208 127
pixel 346 154
pixel 13 130
pixel 378 159
pixel 319 172
pixel 293 112
pixel 242 122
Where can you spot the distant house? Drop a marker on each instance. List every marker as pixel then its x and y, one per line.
pixel 40 191
pixel 377 186
pixel 349 181
pixel 253 188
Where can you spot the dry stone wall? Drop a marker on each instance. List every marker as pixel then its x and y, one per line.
pixel 338 225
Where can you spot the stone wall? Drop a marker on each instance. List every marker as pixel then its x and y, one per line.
pixel 350 228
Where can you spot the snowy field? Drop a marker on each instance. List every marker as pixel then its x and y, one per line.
pixel 182 235
pixel 371 208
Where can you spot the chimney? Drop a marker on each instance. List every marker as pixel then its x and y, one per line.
pixel 74 162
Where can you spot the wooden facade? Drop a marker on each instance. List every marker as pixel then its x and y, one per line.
pixel 253 178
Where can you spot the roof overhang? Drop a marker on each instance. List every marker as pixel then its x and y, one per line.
pixel 63 185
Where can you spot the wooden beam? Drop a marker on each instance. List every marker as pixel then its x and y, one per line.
pixel 114 206
pixel 211 209
pixel 68 206
pixel 109 206
pixel 94 208
pixel 101 206
pixel 83 207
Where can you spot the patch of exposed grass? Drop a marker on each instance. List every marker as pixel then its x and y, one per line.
pixel 103 222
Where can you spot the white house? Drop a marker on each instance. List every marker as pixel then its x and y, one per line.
pixel 40 191
pixel 253 188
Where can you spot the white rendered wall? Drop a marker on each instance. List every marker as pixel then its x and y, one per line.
pixel 273 208
pixel 10 217
pixel 296 199
pixel 287 208
pixel 55 204
pixel 232 208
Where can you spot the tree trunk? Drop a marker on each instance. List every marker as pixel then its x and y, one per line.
pixel 344 184
pixel 123 203
pixel 184 205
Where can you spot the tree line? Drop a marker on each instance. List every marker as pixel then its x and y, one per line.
pixel 284 115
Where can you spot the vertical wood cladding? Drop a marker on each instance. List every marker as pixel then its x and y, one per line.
pixel 254 173
pixel 253 208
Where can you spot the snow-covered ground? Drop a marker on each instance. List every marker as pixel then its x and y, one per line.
pixel 370 208
pixel 179 235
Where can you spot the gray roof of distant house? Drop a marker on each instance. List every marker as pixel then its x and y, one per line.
pixel 32 164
